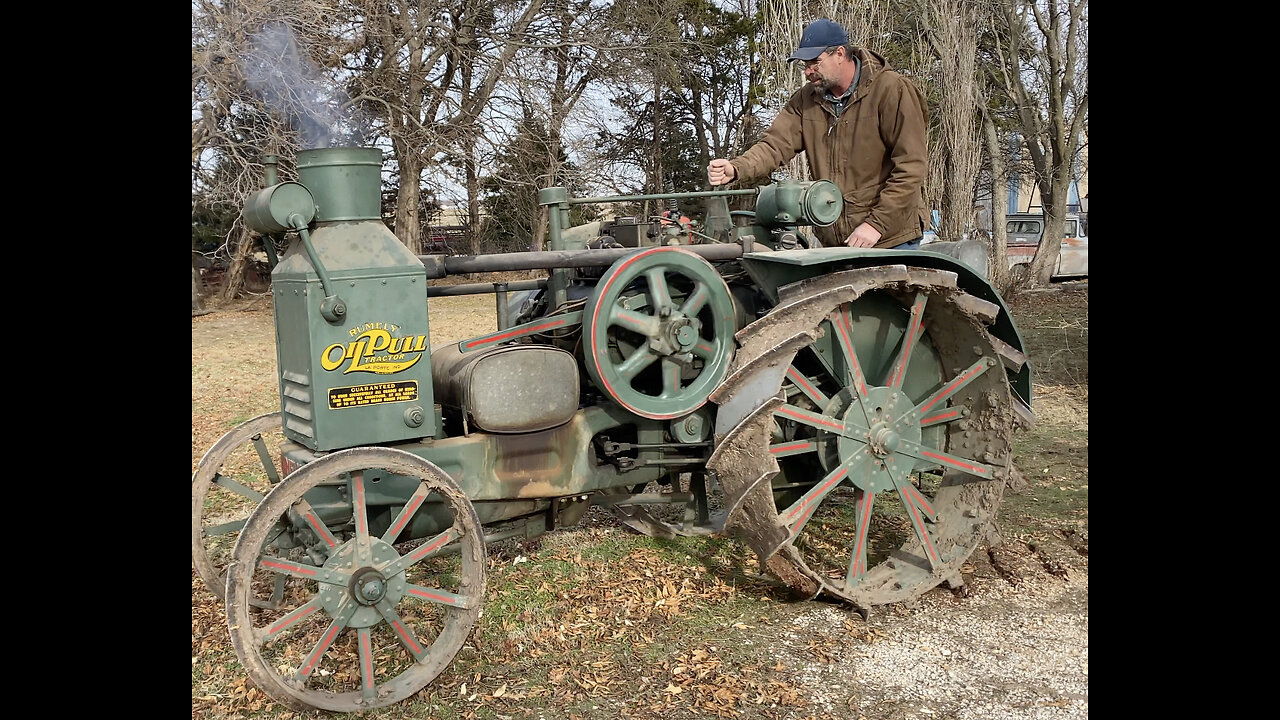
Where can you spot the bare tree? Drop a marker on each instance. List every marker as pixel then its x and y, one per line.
pixel 1040 61
pixel 998 263
pixel 951 29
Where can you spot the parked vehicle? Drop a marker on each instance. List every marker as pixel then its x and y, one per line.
pixel 1024 231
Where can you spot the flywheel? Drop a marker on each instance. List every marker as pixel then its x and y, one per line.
pixel 658 332
pixel 864 434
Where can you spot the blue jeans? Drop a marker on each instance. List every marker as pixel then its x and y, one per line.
pixel 909 245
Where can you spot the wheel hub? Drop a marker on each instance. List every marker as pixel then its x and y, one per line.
pixel 367 586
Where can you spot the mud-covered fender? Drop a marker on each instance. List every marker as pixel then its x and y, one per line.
pixel 772 270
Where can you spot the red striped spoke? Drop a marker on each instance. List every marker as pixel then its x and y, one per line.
pixel 360 514
pixel 402 631
pixel 918 509
pixel 289 621
pixel 793 447
pixel 368 687
pixel 843 324
pixel 807 387
pixel 659 295
pixel 696 300
pixel 799 513
pixel 641 358
pixel 331 633
pixel 636 322
pixel 305 572
pixel 910 339
pixel 933 409
pixel 812 419
pixel 406 513
pixel 670 378
pixel 422 552
pixel 705 349
pixel 858 558
pixel 441 597
pixel 932 455
pixel 309 515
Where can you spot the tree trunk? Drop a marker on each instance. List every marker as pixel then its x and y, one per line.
pixel 998 265
pixel 408 229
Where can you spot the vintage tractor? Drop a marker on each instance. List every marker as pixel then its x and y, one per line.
pixel 846 413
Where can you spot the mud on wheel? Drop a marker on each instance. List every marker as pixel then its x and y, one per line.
pixel 325 612
pixel 878 406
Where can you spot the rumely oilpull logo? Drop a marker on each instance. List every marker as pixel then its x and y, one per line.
pixel 376 348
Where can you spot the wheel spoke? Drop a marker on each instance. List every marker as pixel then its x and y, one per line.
pixel 406 636
pixel 304 510
pixel 815 420
pixel 659 294
pixel 368 686
pixel 243 490
pixel 289 621
pixel 326 640
pixel 696 300
pixel 794 447
pixel 670 378
pixel 799 513
pixel 642 358
pixel 858 557
pixel 360 513
pixel 268 464
pixel 705 350
pixel 442 597
pixel 637 322
pixel 933 402
pixel 811 391
pixel 304 572
pixel 933 455
pixel 422 552
pixel 854 377
pixel 406 513
pixel 916 509
pixel 910 339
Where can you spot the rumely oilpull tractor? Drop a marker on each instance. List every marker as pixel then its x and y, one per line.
pixel 846 413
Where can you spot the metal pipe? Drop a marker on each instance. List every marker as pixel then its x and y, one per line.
pixel 549 260
pixel 483 288
pixel 504 313
pixel 660 196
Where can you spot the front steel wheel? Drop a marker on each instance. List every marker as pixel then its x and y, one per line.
pixel 353 621
pixel 226 487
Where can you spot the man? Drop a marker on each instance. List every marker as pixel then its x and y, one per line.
pixel 862 126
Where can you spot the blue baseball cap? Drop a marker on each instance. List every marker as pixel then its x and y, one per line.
pixel 818 36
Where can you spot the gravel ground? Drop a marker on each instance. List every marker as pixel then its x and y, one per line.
pixel 1004 652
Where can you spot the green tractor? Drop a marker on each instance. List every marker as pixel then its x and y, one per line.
pixel 848 414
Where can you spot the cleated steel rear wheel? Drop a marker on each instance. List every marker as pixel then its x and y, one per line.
pixel 324 613
pixel 864 434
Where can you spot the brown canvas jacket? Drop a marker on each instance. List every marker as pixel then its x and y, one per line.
pixel 876 151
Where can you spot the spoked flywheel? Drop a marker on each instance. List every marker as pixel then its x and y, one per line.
pixel 231 479
pixel 354 621
pixel 864 436
pixel 658 332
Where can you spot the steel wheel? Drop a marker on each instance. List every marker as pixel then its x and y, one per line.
pixel 889 424
pixel 231 479
pixel 355 623
pixel 658 332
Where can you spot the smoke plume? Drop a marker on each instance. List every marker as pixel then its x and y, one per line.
pixel 278 70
